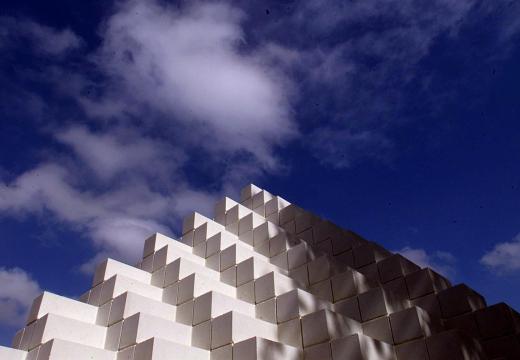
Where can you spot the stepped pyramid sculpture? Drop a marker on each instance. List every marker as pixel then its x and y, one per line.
pixel 267 280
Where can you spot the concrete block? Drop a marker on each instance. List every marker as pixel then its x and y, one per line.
pixel 289 227
pixel 249 191
pixel 193 221
pixel 181 268
pixel 305 235
pixel 289 213
pixel 275 205
pixel 84 297
pixel 109 268
pixel 52 326
pixel 147 263
pixel 466 323
pixel 185 313
pixel 412 350
pixel 497 320
pixel 118 284
pixel 368 253
pixel 234 327
pixel 200 250
pixel 172 252
pixel 205 231
pixel 410 324
pixel 126 354
pixel 349 283
pixel 213 304
pixel 346 258
pixel 260 210
pixel 272 284
pixel 249 222
pixel 187 239
pixel 349 308
pixel 222 353
pixel 128 304
pixel 323 290
pixel 300 275
pixel 394 267
pixel 51 303
pixel 252 268
pixel 280 261
pixel 162 349
pixel 299 255
pixel 297 303
pixel 266 310
pixel 265 231
pixel 372 304
pixel 219 241
pixel 424 282
pixel 247 238
pixel 257 348
pixel 12 354
pixel 170 294
pixel 281 243
pixel 379 329
pixel 236 213
pixel 321 269
pixel 430 304
pixel 453 345
pixel 361 347
pixel 273 218
pixel 324 247
pixel 458 300
pixel 155 242
pixel 58 349
pixel 261 198
pixel 325 325
pixel 201 335
pixel 247 203
pixel 103 314
pixel 17 339
pixel 141 327
pixel 234 254
pixel 305 220
pixel 213 262
pixel 290 333
pixel 113 336
pixel 503 347
pixel 229 276
pixel 195 285
pixel 246 292
pixel 25 342
pixel 158 277
pixel 396 295
pixel 318 352
pixel 221 208
pixel 346 240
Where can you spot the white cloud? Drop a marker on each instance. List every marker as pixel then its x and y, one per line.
pixel 17 291
pixel 189 65
pixel 504 257
pixel 441 261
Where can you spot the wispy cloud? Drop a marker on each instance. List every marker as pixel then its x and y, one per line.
pixel 17 291
pixel 441 261
pixel 504 257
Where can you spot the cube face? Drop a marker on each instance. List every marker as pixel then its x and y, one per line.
pixel 459 300
pixel 395 267
pixel 318 352
pixel 201 335
pixel 349 308
pixel 290 333
pixel 413 350
pixel 379 329
pixel 410 324
pixel 343 286
pixel 372 304
pixel 494 321
pixel 267 311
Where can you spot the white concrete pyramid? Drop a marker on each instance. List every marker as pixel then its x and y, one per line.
pixel 266 280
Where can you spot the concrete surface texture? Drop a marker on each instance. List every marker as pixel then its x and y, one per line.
pixel 266 279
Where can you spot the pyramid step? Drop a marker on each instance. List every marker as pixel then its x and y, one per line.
pixel 129 303
pixel 453 344
pixel 51 303
pixel 193 221
pixel 182 268
pixel 233 327
pixel 140 327
pixel 459 299
pixel 297 303
pixel 53 326
pixel 119 284
pixel 195 285
pixel 173 251
pixel 258 348
pixel 361 347
pixel 350 283
pixel 213 304
pixel 157 348
pixel 325 325
pixel 221 208
pixel 264 232
pixel 110 267
pixel 424 282
pixel 219 242
pixel 271 285
pixel 384 300
pixel 57 349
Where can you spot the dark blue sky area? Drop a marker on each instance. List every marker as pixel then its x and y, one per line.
pixel 399 120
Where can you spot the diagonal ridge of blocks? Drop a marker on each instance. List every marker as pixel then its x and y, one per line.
pixel 266 279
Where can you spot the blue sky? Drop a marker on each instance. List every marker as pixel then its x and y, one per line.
pixel 398 119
